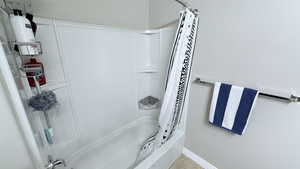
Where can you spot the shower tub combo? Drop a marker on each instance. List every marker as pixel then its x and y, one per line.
pixel 98 74
pixel 118 146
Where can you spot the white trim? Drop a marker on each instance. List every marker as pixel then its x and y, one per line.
pixel 202 162
pixel 19 109
pixel 58 22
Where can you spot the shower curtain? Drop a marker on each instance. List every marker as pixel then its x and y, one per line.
pixel 176 93
pixel 178 76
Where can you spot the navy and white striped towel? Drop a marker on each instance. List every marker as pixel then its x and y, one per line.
pixel 231 107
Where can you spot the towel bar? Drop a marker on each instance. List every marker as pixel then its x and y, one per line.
pixel 291 99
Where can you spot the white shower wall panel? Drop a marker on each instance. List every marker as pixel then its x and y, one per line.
pixel 93 70
pixel 166 38
pixel 159 51
pixel 100 69
pixel 97 74
pixel 50 58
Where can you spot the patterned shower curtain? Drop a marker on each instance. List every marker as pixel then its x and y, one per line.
pixel 178 76
pixel 176 93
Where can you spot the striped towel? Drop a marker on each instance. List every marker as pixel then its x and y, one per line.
pixel 231 107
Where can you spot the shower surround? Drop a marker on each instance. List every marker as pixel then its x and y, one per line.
pixel 99 74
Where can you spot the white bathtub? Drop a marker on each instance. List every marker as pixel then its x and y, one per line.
pixel 119 150
pixel 166 155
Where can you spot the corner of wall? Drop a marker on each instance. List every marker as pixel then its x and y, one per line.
pixel 162 12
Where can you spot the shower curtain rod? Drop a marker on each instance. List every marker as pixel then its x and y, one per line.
pixel 185 5
pixel 291 99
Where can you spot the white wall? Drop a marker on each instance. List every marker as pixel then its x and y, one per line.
pixel 129 13
pixel 14 152
pixel 252 43
pixel 162 12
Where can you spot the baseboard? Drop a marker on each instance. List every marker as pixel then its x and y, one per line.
pixel 203 163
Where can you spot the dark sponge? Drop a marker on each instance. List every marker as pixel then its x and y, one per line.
pixel 43 101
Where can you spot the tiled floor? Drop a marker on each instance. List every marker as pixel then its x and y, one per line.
pixel 185 163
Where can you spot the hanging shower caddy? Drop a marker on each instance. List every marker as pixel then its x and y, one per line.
pixel 27 49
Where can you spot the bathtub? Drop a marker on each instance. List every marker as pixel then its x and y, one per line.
pixel 164 157
pixel 120 149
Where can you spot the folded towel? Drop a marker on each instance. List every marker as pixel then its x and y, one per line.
pixel 231 107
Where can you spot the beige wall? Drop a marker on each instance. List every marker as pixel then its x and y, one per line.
pixel 129 13
pixel 14 154
pixel 162 12
pixel 254 43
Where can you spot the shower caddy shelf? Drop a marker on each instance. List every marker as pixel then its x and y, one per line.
pixel 36 45
pixel 149 103
pixel 34 49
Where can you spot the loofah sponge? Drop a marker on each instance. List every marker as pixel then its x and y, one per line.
pixel 43 101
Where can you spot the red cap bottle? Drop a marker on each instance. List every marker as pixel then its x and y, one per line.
pixel 35 68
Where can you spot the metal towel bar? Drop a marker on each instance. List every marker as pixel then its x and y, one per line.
pixel 291 99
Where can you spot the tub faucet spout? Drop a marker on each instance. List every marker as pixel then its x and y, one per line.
pixel 56 163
